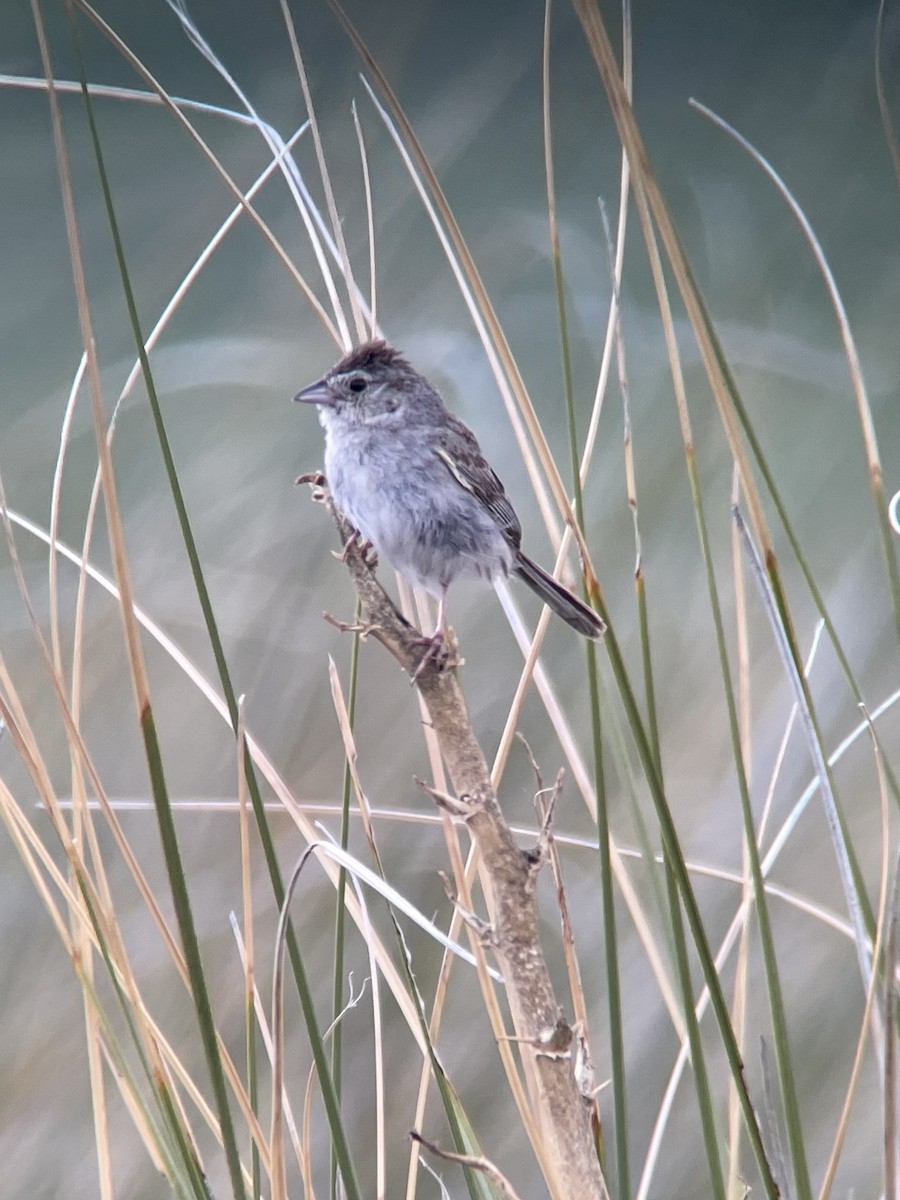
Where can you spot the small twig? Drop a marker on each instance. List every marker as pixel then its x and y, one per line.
pixel 483 929
pixel 484 1165
pixel 456 806
pixel 348 626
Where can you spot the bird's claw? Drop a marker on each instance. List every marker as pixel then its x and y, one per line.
pixel 435 652
pixel 363 546
pixel 439 650
pixel 317 482
pixel 349 626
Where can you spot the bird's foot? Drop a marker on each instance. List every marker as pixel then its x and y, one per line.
pixel 363 546
pixel 435 652
pixel 317 482
pixel 440 650
pixel 349 626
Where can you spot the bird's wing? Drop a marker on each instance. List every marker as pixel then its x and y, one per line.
pixel 456 446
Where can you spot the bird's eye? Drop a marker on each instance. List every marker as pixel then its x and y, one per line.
pixel 357 384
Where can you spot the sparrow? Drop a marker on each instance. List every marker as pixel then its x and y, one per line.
pixel 412 479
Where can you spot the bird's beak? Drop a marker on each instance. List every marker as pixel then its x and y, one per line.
pixel 316 393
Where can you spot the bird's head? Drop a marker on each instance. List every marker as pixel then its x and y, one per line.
pixel 372 384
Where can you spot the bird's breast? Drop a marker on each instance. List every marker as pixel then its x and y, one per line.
pixel 401 497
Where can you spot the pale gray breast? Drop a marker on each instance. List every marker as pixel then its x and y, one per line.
pixel 401 497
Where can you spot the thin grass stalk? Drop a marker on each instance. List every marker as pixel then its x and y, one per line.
pixel 133 375
pixel 370 219
pixel 889 1073
pixel 672 848
pixel 789 531
pixel 172 853
pixel 864 411
pixel 377 1018
pixel 84 839
pixel 336 225
pixel 340 914
pixel 192 952
pixel 607 896
pixel 276 1135
pixel 28 846
pixel 734 1184
pixel 194 962
pixel 887 123
pixel 248 940
pixel 99 1108
pixel 776 1003
pixel 615 258
pixel 136 662
pixel 82 903
pixel 463 875
pixel 875 981
pixel 782 1050
pixel 855 895
pixel 675 924
pixel 345 721
pixel 286 802
pixel 673 910
pixel 716 368
pixel 266 1038
pixel 145 1038
pixel 108 92
pixel 707 1112
pixel 55 491
pixel 179 7
pixel 134 62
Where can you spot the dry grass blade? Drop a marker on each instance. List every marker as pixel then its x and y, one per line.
pixel 863 408
pixel 889 1097
pixel 336 226
pixel 133 61
pixel 487 1168
pixel 117 546
pixel 276 1135
pixel 286 800
pixel 856 902
pixel 887 123
pixel 362 803
pixel 650 201
pixel 370 222
pixel 868 1027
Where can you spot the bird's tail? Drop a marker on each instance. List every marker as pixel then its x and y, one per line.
pixel 572 610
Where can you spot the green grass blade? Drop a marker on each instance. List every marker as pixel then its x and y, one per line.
pixel 331 1101
pixel 607 894
pixel 191 947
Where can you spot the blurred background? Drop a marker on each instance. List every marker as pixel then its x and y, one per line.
pixel 798 81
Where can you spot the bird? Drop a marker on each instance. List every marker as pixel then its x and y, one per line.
pixel 411 478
